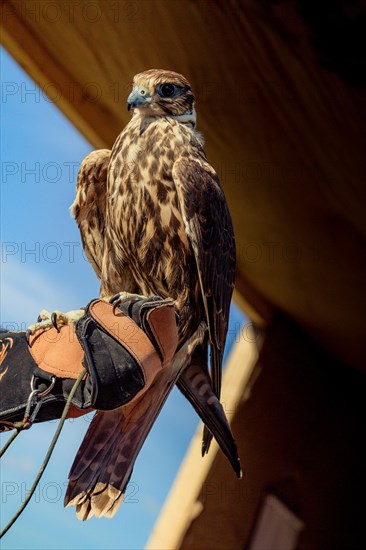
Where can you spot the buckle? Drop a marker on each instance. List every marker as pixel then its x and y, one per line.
pixel 34 403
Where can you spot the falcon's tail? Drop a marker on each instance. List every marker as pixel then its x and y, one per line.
pixel 94 487
pixel 216 369
pixel 105 460
pixel 195 384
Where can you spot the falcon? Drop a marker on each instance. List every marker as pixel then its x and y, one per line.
pixel 154 221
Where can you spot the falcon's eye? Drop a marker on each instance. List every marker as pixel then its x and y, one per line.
pixel 166 90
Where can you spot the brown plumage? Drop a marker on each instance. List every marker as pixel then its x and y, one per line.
pixel 154 220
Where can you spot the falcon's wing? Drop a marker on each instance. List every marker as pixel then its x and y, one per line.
pixel 88 209
pixel 208 226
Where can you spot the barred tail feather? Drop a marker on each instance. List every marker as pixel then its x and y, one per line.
pixel 195 384
pixel 91 482
pixel 216 369
pixel 105 460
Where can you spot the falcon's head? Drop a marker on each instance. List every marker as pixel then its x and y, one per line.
pixel 161 93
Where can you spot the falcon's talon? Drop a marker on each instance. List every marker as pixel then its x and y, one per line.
pixel 114 298
pixel 54 321
pixel 121 297
pixel 115 306
pixel 118 302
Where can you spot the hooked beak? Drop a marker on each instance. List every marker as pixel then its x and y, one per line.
pixel 135 99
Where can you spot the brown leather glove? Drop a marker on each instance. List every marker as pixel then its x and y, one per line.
pixel 122 348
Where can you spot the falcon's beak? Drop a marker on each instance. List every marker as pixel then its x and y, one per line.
pixel 136 99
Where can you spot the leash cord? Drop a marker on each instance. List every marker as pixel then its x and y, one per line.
pixel 48 455
pixel 9 442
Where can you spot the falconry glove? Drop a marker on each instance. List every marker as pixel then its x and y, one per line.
pixel 122 348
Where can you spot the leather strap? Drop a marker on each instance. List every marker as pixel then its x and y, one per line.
pixel 52 351
pixel 163 326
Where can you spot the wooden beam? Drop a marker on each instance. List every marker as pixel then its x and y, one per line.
pixel 171 526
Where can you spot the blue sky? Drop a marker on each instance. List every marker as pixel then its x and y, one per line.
pixel 42 266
